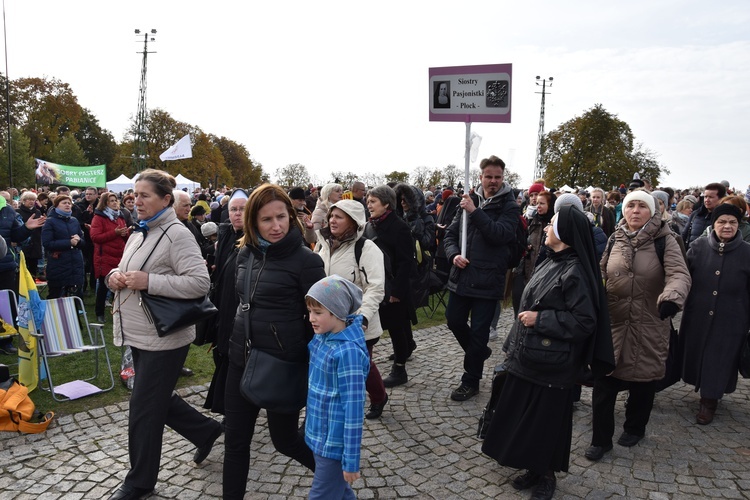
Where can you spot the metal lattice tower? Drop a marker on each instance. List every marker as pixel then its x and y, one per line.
pixel 141 132
pixel 539 167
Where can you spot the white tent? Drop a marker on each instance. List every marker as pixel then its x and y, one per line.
pixel 120 184
pixel 184 182
pixel 566 189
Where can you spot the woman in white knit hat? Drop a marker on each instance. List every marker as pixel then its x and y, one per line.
pixel 645 287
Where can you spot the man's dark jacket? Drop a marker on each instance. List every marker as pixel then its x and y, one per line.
pixel 491 229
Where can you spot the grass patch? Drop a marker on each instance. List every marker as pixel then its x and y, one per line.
pixel 199 359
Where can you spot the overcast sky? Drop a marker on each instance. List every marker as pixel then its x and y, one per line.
pixel 344 85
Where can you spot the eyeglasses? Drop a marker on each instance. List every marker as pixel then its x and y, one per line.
pixel 237 209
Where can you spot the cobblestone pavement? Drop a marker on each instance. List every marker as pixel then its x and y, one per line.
pixel 423 447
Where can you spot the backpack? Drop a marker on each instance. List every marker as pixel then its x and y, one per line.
pixel 520 243
pixel 17 409
pixel 388 286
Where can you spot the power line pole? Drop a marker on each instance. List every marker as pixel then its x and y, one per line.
pixel 139 142
pixel 7 101
pixel 539 167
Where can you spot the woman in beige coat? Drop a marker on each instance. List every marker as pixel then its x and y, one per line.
pixel 170 266
pixel 336 246
pixel 643 294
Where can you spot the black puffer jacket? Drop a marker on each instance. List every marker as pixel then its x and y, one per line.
pixel 560 293
pixel 491 229
pixel 280 278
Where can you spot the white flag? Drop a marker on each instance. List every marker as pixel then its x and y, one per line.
pixel 179 151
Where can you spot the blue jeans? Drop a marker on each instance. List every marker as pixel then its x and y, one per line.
pixel 473 339
pixel 328 482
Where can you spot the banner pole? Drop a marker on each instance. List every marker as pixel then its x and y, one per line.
pixel 465 216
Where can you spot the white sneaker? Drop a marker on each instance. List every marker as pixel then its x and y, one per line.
pixel 493 334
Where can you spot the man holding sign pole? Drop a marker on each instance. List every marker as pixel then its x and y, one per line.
pixel 477 278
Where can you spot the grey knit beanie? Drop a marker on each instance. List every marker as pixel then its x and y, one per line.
pixel 338 295
pixel 663 196
pixel 568 199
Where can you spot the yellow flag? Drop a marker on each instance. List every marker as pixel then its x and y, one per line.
pixel 30 312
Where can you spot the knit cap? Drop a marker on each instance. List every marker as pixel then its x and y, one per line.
pixel 340 296
pixel 568 199
pixel 641 196
pixel 208 229
pixel 663 196
pixel 537 187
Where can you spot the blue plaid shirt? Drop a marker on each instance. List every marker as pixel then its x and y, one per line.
pixel 339 364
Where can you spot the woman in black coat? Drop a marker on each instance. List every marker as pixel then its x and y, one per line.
pixel 716 317
pixel 278 269
pixel 62 239
pixel 563 327
pixel 393 236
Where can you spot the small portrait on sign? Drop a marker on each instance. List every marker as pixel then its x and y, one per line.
pixel 441 95
pixel 46 173
pixel 497 93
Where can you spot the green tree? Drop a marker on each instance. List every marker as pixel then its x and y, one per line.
pixel 68 152
pixel 23 162
pixel 294 174
pixel 245 172
pixel 46 110
pixel 596 148
pixel 207 164
pixel 397 176
pixel 98 144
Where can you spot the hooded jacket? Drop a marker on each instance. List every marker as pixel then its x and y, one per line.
pixel 636 285
pixel 339 364
pixel 421 223
pixel 175 269
pixel 492 227
pixel 369 275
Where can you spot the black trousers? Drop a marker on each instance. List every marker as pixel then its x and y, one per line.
pixel 101 296
pixel 154 404
pixel 473 339
pixel 239 423
pixel 637 410
pixel 395 318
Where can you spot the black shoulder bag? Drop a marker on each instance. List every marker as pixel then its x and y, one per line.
pixel 169 314
pixel 270 382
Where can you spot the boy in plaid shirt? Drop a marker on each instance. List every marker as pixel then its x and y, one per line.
pixel 336 388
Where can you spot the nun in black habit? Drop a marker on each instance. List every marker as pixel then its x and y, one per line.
pixel 563 327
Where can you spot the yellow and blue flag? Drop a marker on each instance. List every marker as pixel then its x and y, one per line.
pixel 31 310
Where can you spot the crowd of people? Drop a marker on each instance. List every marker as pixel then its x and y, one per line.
pixel 317 274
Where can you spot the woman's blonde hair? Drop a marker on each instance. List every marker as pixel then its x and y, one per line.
pixel 259 198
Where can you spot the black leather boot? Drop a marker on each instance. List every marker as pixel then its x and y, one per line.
pixel 397 376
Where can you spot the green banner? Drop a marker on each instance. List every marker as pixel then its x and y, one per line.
pixel 52 173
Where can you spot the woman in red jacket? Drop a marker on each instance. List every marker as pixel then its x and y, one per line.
pixel 109 233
